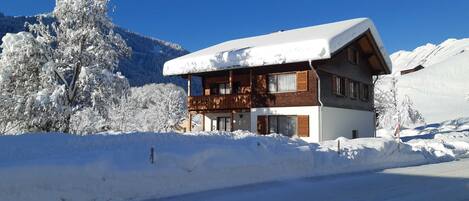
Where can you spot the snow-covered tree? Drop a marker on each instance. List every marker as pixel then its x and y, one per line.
pixel 153 107
pixel 391 110
pixel 27 86
pixel 85 52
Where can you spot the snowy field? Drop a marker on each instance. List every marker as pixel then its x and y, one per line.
pixel 48 167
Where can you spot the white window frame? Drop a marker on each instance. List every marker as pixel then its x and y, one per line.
pixel 275 77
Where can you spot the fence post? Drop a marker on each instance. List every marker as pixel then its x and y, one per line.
pixel 338 147
pixel 152 155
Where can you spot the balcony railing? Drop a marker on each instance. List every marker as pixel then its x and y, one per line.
pixel 220 102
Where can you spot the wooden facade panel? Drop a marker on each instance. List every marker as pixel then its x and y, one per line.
pixel 303 126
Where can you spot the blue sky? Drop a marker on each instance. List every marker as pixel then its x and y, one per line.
pixel 195 24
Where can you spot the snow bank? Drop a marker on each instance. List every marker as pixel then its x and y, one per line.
pixel 44 167
pixel 298 45
pixel 58 166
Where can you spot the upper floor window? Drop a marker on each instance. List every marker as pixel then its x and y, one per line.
pixel 224 88
pixel 220 89
pixel 339 85
pixel 354 89
pixel 282 82
pixel 365 92
pixel 353 55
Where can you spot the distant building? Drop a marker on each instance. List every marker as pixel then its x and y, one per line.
pixel 314 82
pixel 417 68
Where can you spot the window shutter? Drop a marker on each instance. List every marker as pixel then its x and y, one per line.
pixel 362 91
pixel 303 126
pixel 302 81
pixel 262 124
pixel 347 87
pixel 357 57
pixel 350 55
pixel 261 83
pixel 334 84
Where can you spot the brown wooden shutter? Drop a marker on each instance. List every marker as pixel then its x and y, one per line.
pixel 361 94
pixel 302 81
pixel 261 83
pixel 347 87
pixel 334 84
pixel 262 124
pixel 303 126
pixel 350 55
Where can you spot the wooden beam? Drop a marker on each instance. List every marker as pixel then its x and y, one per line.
pixel 230 79
pixel 232 121
pixel 189 88
pixel 203 121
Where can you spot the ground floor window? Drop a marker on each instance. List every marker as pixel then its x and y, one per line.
pixel 224 123
pixel 285 125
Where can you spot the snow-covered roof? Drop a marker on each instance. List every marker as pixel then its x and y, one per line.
pixel 297 45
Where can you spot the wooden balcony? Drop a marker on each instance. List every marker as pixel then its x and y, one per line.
pixel 219 102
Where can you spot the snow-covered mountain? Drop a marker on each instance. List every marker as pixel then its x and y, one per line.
pixel 440 91
pixel 148 56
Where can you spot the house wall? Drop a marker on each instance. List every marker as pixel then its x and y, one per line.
pixel 262 98
pixel 311 111
pixel 340 66
pixel 339 122
pixel 241 120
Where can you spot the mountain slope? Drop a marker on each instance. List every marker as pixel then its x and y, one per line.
pixel 439 91
pixel 429 54
pixel 148 56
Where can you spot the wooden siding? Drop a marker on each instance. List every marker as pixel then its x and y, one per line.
pixel 261 97
pixel 339 66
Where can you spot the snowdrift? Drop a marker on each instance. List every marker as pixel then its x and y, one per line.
pixel 116 166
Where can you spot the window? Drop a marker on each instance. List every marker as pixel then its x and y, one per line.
pixel 353 56
pixel 224 123
pixel 339 86
pixel 354 89
pixel 214 89
pixel 285 125
pixel 224 88
pixel 365 92
pixel 279 83
pixel 354 134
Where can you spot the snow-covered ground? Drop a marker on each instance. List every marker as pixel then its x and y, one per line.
pixel 117 167
pixel 434 182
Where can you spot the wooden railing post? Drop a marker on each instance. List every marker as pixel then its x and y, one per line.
pixel 230 79
pixel 189 88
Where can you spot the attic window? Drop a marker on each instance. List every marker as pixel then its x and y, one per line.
pixel 338 85
pixel 353 55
